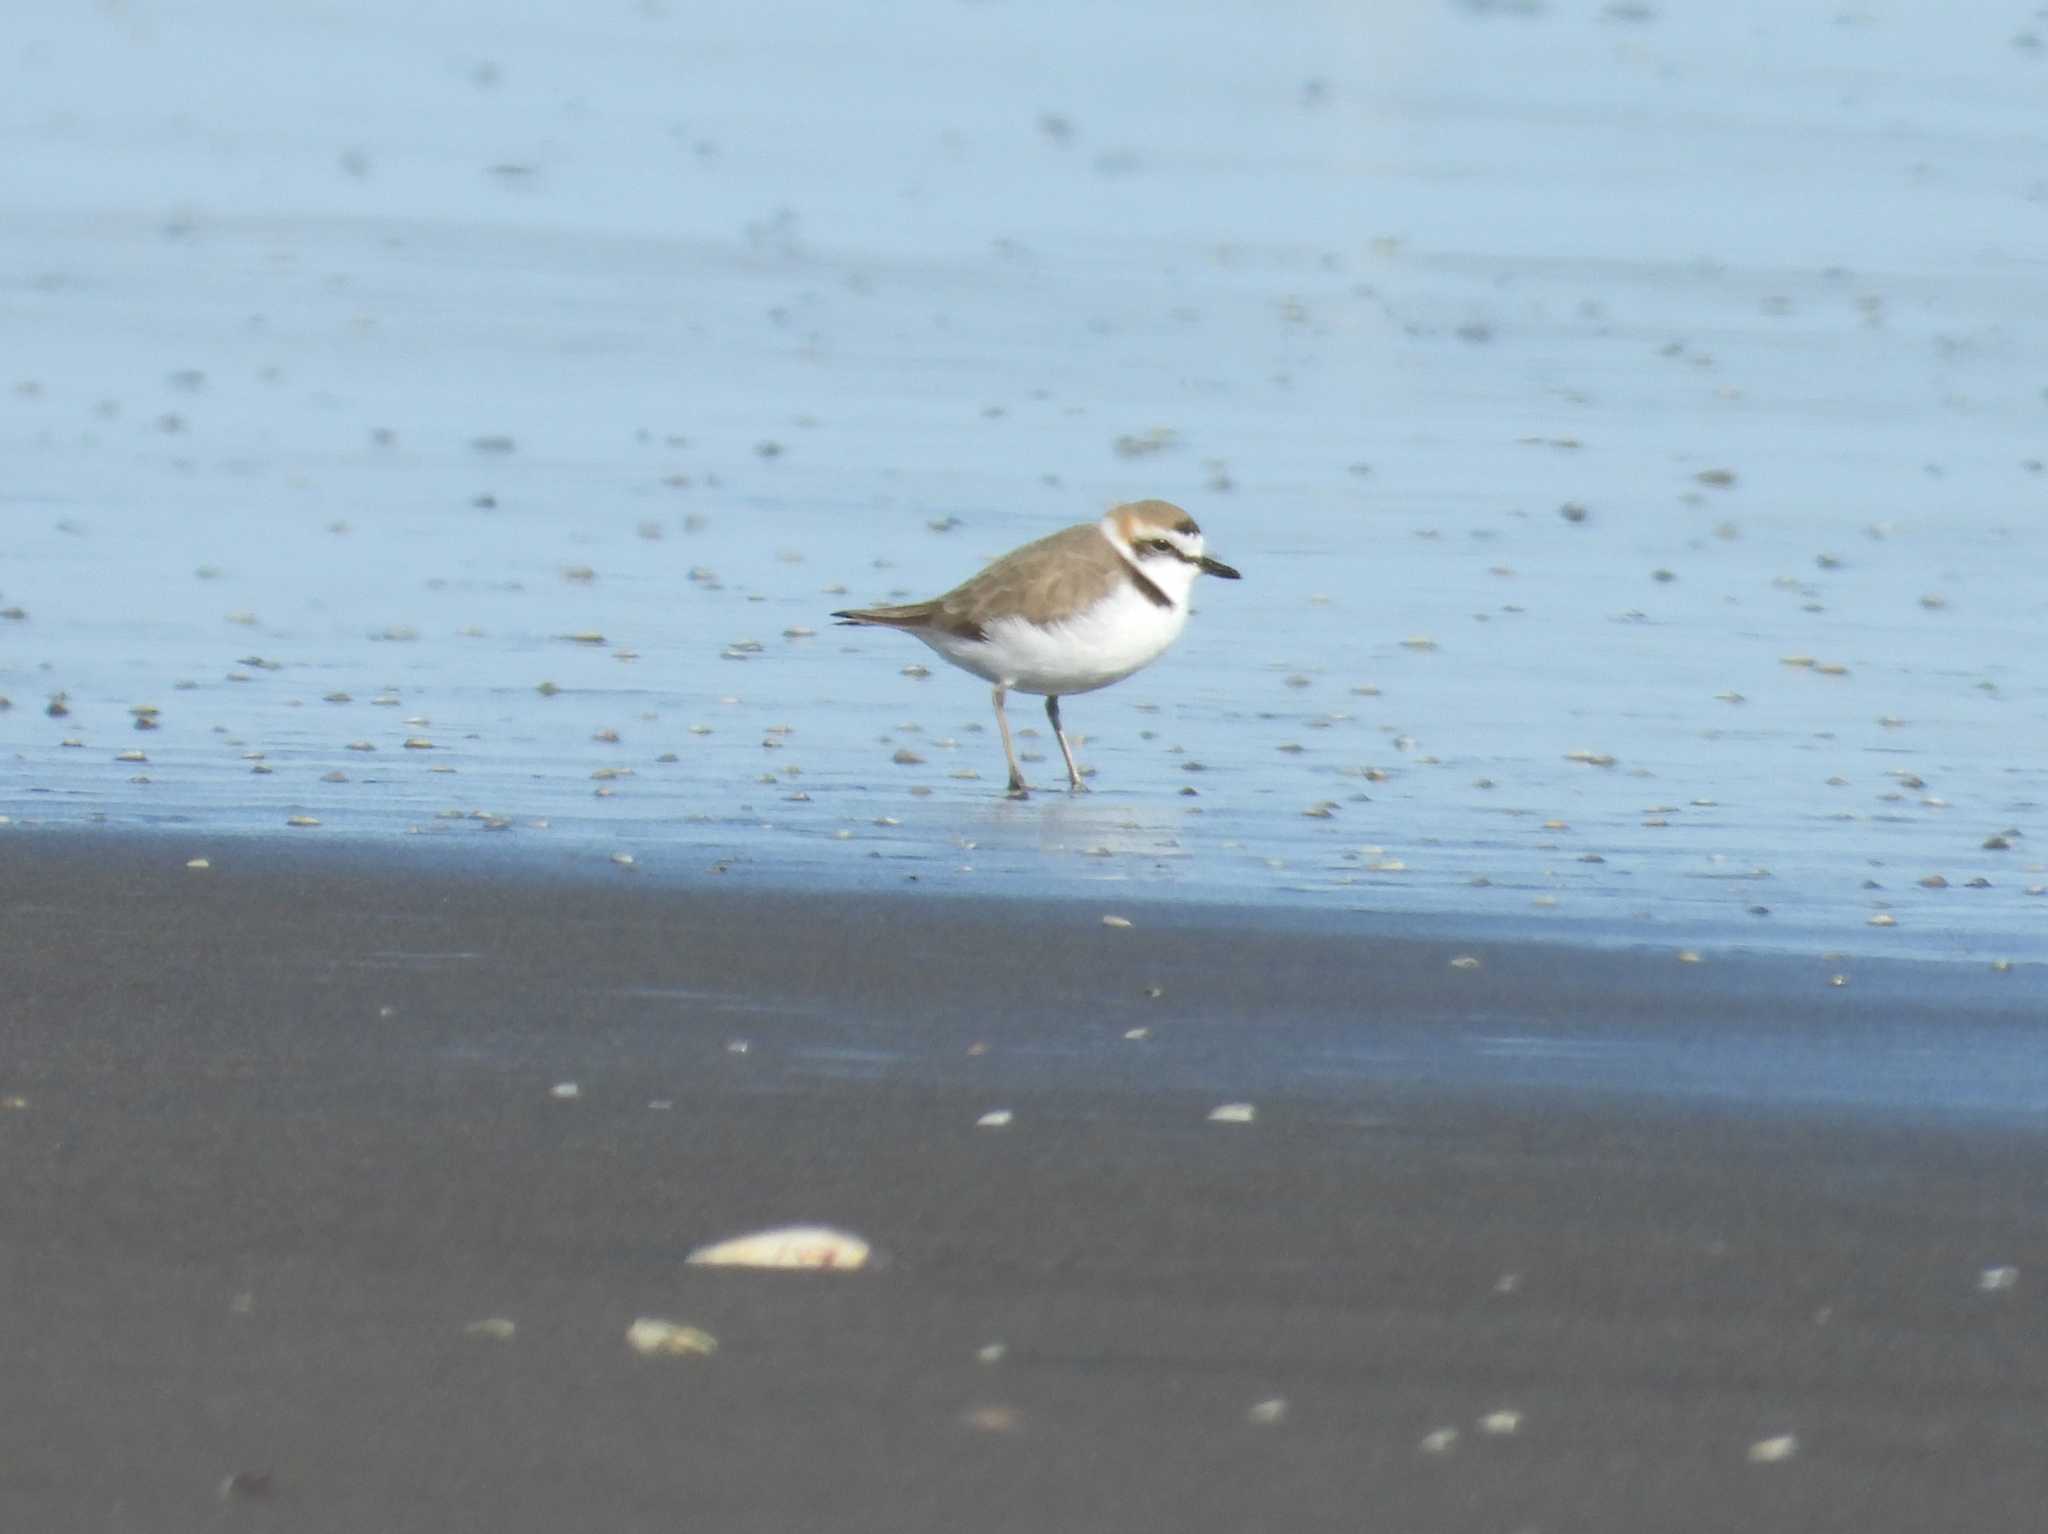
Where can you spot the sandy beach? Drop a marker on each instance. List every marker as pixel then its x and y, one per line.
pixel 282 1131
pixel 1567 1055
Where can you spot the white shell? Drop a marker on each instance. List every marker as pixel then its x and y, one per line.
pixel 787 1246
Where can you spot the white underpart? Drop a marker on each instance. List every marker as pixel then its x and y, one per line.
pixel 1088 649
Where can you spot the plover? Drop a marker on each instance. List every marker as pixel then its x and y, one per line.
pixel 1072 612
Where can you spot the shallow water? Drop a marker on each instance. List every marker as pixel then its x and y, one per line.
pixel 356 363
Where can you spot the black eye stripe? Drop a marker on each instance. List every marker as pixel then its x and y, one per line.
pixel 1167 546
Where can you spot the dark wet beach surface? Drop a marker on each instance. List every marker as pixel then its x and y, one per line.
pixel 1593 857
pixel 349 1176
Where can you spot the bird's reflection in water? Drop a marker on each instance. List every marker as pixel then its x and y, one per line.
pixel 1113 830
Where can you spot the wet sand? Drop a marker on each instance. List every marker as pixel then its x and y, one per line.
pixel 280 1131
pixel 1629 534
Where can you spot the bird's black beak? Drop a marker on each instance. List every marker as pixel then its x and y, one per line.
pixel 1210 566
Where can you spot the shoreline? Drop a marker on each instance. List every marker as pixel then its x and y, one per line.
pixel 690 870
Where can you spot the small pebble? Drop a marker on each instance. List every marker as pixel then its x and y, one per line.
pixel 1771 1451
pixel 245 1485
pixel 992 1419
pixel 652 1337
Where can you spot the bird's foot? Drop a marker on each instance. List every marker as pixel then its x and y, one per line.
pixel 1019 789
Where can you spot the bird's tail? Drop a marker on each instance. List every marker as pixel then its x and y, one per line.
pixel 910 616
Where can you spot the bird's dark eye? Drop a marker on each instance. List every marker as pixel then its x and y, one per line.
pixel 1158 546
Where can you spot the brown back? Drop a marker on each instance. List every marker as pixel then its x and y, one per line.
pixel 1072 568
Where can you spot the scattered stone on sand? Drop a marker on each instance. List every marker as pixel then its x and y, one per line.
pixel 992 1419
pixel 245 1486
pixel 1233 1113
pixel 494 1328
pixel 1772 1451
pixel 652 1337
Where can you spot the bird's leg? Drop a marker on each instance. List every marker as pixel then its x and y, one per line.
pixel 1018 790
pixel 1052 712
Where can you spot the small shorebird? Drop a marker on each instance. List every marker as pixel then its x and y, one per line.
pixel 1069 613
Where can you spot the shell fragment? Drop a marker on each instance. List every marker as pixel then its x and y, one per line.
pixel 787 1246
